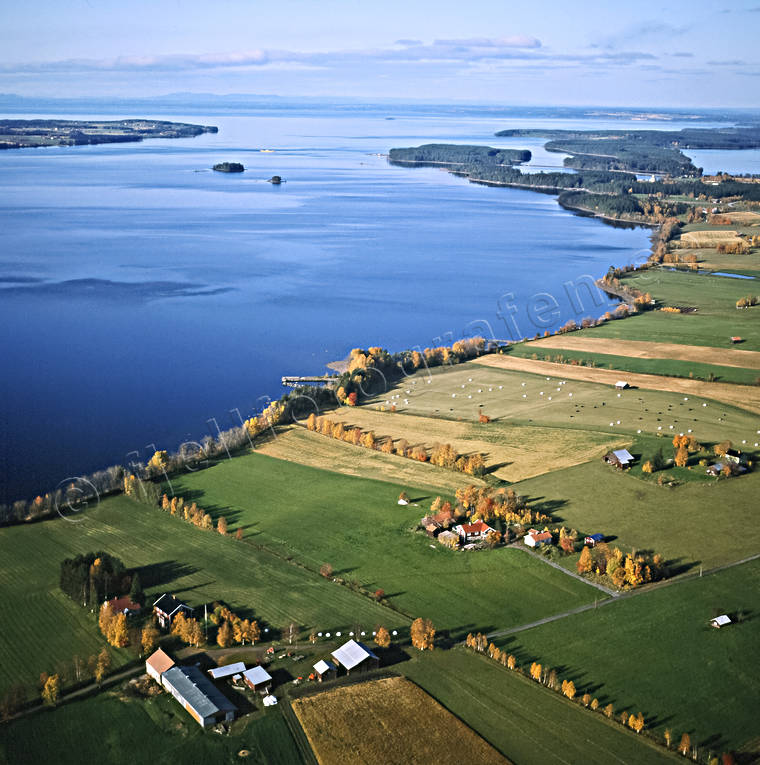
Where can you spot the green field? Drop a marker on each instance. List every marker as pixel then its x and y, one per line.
pixel 524 398
pixel 667 367
pixel 356 525
pixel 685 524
pixel 135 731
pixel 42 628
pixel 716 321
pixel 528 724
pixel 656 653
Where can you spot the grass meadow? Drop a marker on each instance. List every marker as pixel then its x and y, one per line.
pixel 115 729
pixel 528 724
pixel 357 526
pixel 656 653
pixel 42 628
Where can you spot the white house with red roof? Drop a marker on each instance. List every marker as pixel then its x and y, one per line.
pixel 536 538
pixel 473 532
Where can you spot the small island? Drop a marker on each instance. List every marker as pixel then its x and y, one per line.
pixel 228 167
pixel 25 134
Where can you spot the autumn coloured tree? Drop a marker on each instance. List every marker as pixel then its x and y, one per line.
pixel 311 422
pixel 119 636
pixel 224 635
pixel 102 665
pixel 423 634
pixel 51 691
pixel 684 747
pixel 568 689
pixel 382 638
pixel 221 525
pixel 585 562
pixel 149 639
pixel 682 456
pixel 239 534
pixel 326 570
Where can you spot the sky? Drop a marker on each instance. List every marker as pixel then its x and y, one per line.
pixel 543 52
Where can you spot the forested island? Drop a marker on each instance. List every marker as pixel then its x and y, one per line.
pixel 22 134
pixel 640 151
pixel 228 167
pixel 455 154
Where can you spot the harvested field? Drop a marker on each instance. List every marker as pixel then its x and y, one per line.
pixel 709 238
pixel 512 452
pixel 307 448
pixel 742 396
pixel 388 722
pixel 727 357
pixel 743 218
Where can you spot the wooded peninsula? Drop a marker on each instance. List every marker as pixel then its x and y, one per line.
pixel 23 134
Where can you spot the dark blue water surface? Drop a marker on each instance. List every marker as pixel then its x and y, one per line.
pixel 142 294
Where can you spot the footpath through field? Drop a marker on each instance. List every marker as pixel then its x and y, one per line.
pixel 640 349
pixel 742 396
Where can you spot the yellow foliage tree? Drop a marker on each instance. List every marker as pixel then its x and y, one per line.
pixel 423 634
pixel 585 562
pixel 149 639
pixel 119 636
pixel 51 691
pixel 224 635
pixel 382 638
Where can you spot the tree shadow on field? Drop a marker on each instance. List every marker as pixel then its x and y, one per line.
pixel 158 574
pixel 419 499
pixel 497 466
pixel 545 506
pixel 678 566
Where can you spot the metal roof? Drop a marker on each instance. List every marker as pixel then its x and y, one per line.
pixel 721 620
pixel 323 666
pixel 623 455
pixel 257 675
pixel 226 671
pixel 169 604
pixel 197 691
pixel 352 653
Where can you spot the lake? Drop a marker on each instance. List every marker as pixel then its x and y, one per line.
pixel 147 300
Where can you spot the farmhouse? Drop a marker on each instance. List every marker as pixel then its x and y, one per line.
pixel 325 670
pixel 167 607
pixel 355 655
pixel 431 526
pixel 257 679
pixel 592 539
pixel 217 673
pixel 536 538
pixel 621 385
pixel 198 695
pixel 124 605
pixel 720 621
pixel 473 532
pixel 620 458
pixel 158 663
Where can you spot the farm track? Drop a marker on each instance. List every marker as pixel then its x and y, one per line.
pixel 742 396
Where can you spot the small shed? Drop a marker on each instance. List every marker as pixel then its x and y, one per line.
pixel 325 670
pixel 592 539
pixel 720 621
pixel 620 458
pixel 735 339
pixel 621 385
pixel 270 701
pixel 258 679
pixel 536 538
pixel 158 663
pixel 735 456
pixel 355 655
pixel 715 469
pixel 431 526
pixel 217 673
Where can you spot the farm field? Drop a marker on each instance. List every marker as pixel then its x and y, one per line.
pixel 511 397
pixel 596 498
pixel 387 722
pixel 528 724
pixel 306 448
pixel 115 729
pixel 643 350
pixel 357 526
pixel 172 556
pixel 512 452
pixel 724 262
pixel 744 396
pixel 649 366
pixel 675 665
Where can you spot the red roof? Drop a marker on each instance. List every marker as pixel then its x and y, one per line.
pixel 123 604
pixel 475 528
pixel 540 536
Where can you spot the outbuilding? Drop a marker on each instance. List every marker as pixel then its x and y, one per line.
pixel 620 458
pixel 593 539
pixel 199 696
pixel 158 663
pixel 621 385
pixel 536 538
pixel 124 605
pixel 258 679
pixel 720 621
pixel 355 655
pixel 217 673
pixel 325 670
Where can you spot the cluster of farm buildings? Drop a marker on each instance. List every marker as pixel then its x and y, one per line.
pixel 199 693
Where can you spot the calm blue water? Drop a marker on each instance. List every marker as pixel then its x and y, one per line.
pixel 142 295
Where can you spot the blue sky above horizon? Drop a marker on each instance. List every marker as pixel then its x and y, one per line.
pixel 541 53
